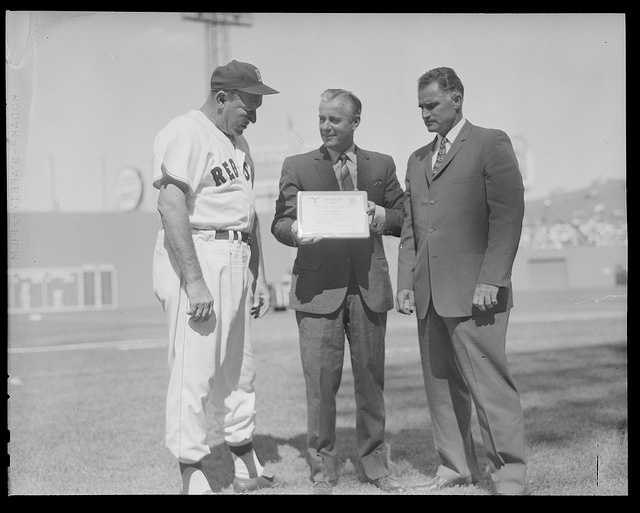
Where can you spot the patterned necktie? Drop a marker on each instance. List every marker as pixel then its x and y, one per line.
pixel 346 182
pixel 441 152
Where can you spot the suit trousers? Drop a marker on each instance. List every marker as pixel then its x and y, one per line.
pixel 464 363
pixel 322 354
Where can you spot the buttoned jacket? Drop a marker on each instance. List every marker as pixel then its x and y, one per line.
pixel 462 226
pixel 322 271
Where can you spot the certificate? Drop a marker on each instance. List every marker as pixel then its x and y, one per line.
pixel 333 214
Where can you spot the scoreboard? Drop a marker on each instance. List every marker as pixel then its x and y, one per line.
pixel 60 289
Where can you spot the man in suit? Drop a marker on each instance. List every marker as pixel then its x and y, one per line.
pixel 342 286
pixel 464 203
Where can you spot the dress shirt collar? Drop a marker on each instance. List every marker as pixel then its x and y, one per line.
pixel 453 132
pixel 350 152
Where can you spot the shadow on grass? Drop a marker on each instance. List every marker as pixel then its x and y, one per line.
pixel 567 395
pixel 412 459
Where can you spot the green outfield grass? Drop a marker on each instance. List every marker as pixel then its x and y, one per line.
pixel 92 421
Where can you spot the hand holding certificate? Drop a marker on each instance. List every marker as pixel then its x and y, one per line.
pixel 332 214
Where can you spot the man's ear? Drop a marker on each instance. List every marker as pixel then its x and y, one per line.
pixel 456 98
pixel 220 97
pixel 356 121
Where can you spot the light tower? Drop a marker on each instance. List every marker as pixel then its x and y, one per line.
pixel 216 36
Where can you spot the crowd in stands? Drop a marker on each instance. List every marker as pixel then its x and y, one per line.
pixel 592 231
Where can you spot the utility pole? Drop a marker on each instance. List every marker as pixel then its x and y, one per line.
pixel 216 39
pixel 53 189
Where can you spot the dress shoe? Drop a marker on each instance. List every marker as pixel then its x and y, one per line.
pixel 507 488
pixel 439 482
pixel 388 484
pixel 244 485
pixel 322 487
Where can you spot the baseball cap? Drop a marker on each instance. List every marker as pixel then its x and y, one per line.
pixel 240 76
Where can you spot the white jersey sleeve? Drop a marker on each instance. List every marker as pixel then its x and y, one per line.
pixel 178 154
pixel 218 174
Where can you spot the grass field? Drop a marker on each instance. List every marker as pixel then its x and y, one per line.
pixel 87 393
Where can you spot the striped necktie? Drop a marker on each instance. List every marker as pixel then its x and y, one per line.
pixel 440 157
pixel 346 182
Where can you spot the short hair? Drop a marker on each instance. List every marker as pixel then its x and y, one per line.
pixel 356 104
pixel 446 78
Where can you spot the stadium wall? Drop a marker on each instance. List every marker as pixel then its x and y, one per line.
pixel 124 242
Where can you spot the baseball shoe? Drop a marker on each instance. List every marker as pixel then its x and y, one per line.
pixel 439 482
pixel 244 485
pixel 194 482
pixel 388 484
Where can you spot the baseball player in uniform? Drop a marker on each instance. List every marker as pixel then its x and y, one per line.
pixel 209 276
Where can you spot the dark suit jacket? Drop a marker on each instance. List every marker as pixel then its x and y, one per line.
pixel 321 272
pixel 462 227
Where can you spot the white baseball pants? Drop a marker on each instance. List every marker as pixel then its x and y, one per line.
pixel 209 359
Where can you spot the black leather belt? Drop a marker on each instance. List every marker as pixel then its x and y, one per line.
pixel 233 235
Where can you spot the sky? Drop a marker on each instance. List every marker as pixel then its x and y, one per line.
pixel 103 84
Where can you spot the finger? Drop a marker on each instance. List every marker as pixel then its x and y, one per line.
pixel 478 302
pixel 204 311
pixel 195 311
pixel 263 305
pixel 485 301
pixel 208 312
pixel 488 302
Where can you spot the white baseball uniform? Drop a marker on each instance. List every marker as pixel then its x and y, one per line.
pixel 213 358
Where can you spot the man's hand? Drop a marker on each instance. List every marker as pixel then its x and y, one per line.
pixel 405 301
pixel 371 210
pixel 485 297
pixel 261 300
pixel 302 241
pixel 200 300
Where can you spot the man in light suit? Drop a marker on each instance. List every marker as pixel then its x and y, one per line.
pixel 464 203
pixel 342 286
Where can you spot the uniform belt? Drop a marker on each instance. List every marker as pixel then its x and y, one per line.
pixel 232 235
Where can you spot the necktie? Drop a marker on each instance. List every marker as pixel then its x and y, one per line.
pixel 441 152
pixel 346 182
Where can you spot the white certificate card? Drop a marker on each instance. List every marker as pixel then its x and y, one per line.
pixel 333 214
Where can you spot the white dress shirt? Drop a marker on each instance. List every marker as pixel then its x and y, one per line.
pixel 377 220
pixel 450 138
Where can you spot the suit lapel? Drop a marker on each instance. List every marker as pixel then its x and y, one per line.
pixel 428 172
pixel 363 173
pixel 455 147
pixel 324 166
